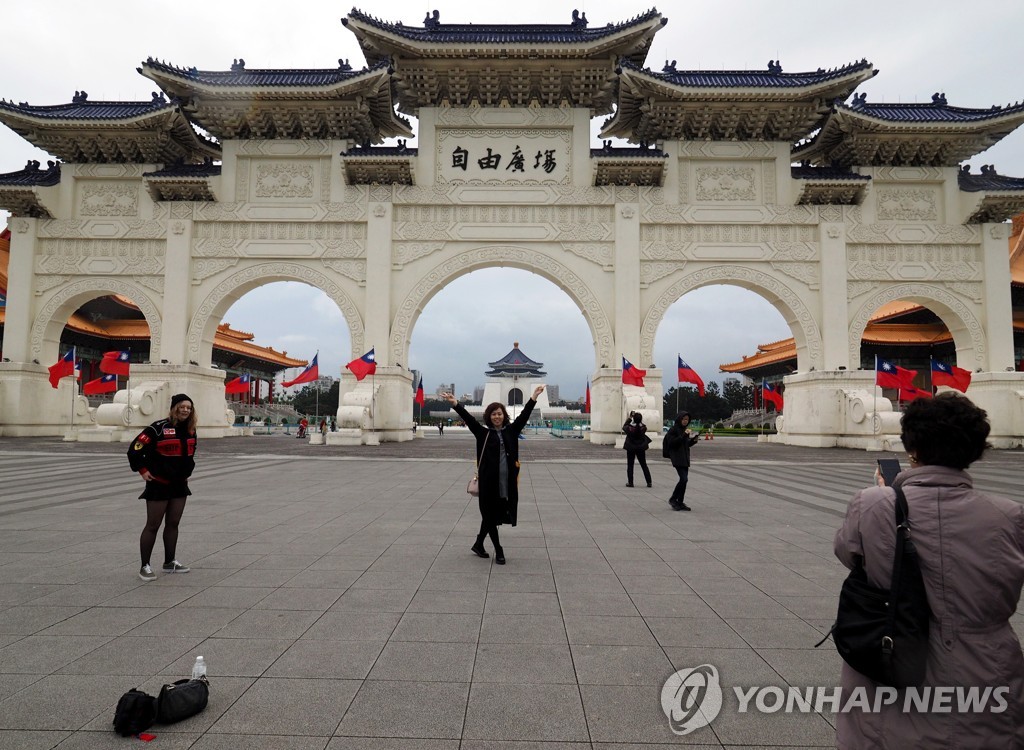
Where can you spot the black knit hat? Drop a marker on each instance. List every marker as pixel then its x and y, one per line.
pixel 177 398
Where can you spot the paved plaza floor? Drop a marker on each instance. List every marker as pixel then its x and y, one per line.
pixel 337 604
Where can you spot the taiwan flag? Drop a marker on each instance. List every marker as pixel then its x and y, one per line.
pixel 889 375
pixel 363 366
pixel 115 363
pixel 65 366
pixel 586 400
pixel 420 398
pixel 106 384
pixel 239 384
pixel 909 393
pixel 771 396
pixel 632 375
pixel 948 375
pixel 688 375
pixel 309 375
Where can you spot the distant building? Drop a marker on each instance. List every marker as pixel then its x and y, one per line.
pixel 444 388
pixel 478 394
pixel 552 391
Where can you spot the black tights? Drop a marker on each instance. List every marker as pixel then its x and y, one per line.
pixel 491 530
pixel 169 512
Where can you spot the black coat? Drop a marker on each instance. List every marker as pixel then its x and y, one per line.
pixel 636 436
pixel 490 500
pixel 678 445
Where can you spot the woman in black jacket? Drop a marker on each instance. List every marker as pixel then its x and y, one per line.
pixel 677 449
pixel 497 450
pixel 636 443
pixel 163 454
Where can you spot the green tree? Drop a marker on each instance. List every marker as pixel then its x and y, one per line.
pixel 711 408
pixel 305 401
pixel 738 396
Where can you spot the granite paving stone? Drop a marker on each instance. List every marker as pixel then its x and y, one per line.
pixel 353 616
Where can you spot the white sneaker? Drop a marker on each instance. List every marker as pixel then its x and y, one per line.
pixel 146 573
pixel 175 567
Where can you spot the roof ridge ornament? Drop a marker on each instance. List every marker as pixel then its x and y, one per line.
pixel 670 67
pixel 859 100
pixel 939 99
pixel 432 21
pixel 238 65
pixel 775 67
pixel 579 21
pixel 343 65
pixel 80 97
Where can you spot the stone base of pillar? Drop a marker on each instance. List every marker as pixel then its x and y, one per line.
pixel 316 438
pixel 346 436
pixel 31 407
pixel 1001 395
pixel 611 402
pixel 380 405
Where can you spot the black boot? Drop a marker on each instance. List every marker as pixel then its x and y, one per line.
pixel 499 555
pixel 478 548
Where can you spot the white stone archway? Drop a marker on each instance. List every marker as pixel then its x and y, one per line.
pixel 212 308
pixel 530 259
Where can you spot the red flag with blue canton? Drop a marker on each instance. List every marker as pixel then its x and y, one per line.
pixel 105 384
pixel 420 397
pixel 688 375
pixel 310 374
pixel 951 376
pixel 889 375
pixel 365 365
pixel 771 396
pixel 239 384
pixel 632 375
pixel 115 363
pixel 909 393
pixel 65 366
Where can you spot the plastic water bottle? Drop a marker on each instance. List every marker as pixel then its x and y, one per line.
pixel 199 668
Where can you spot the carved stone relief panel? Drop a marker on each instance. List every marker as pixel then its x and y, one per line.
pixel 918 203
pixel 920 233
pixel 108 199
pixel 407 252
pixel 782 243
pixel 523 117
pixel 282 239
pixel 599 253
pixel 100 257
pixel 724 183
pixel 286 148
pixel 914 262
pixel 284 180
pixel 734 213
pixel 525 223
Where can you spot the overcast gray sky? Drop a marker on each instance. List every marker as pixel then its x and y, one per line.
pixel 969 50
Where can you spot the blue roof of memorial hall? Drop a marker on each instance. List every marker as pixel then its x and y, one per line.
pixel 515 363
pixel 772 77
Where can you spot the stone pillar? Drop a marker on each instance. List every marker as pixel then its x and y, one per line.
pixel 835 313
pixel 605 405
pixel 627 284
pixel 177 294
pixel 996 297
pixel 20 290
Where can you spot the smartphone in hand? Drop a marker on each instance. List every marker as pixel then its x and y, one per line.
pixel 888 468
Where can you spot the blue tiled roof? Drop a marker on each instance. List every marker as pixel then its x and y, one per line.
pixel 434 32
pixel 239 76
pixel 82 109
pixel 987 180
pixel 515 362
pixel 936 110
pixel 826 173
pixel 363 150
pixel 207 169
pixel 628 151
pixel 32 176
pixel 773 77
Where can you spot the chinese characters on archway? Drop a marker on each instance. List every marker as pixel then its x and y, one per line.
pixel 516 161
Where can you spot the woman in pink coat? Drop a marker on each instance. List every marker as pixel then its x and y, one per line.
pixel 971 550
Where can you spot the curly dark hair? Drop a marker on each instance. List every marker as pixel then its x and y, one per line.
pixel 948 430
pixel 493 407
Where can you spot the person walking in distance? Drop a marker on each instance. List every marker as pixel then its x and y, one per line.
pixel 164 455
pixel 497 450
pixel 636 443
pixel 677 449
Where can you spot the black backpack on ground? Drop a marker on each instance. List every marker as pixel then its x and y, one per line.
pixel 883 633
pixel 135 712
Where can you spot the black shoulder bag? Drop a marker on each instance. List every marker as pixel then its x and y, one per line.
pixel 883 633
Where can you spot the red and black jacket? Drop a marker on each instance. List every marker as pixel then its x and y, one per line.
pixel 166 450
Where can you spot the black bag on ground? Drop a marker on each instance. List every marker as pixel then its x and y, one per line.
pixel 181 700
pixel 883 633
pixel 135 712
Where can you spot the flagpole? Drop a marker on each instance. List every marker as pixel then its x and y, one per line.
pixel 74 384
pixel 874 395
pixel 763 408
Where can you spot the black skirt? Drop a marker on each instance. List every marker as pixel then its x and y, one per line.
pixel 165 491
